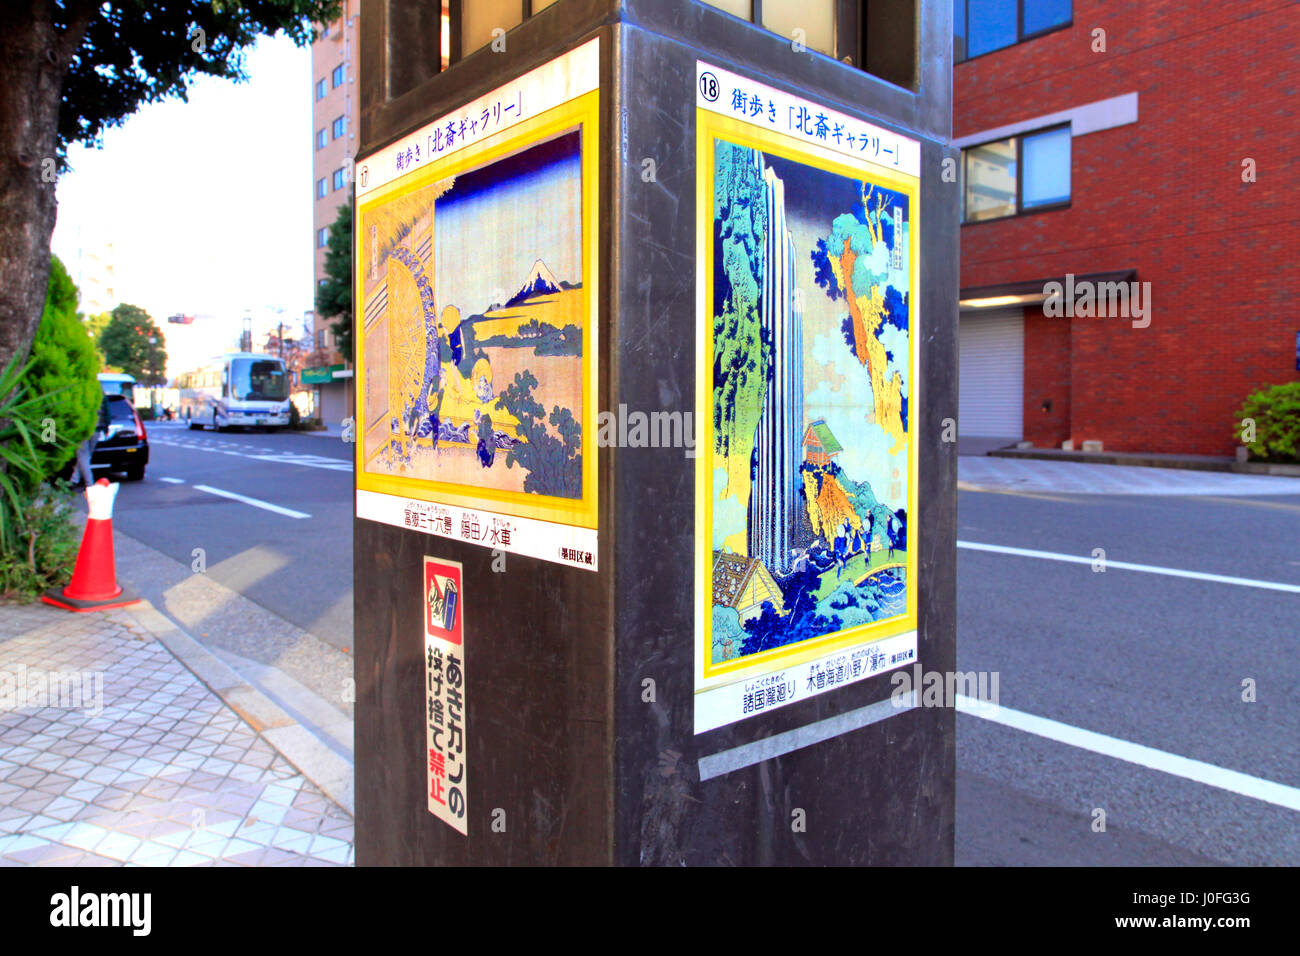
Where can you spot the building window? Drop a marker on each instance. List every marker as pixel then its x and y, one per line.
pixel 320 139
pixel 320 189
pixel 877 38
pixel 322 237
pixel 982 26
pixel 320 89
pixel 1045 158
pixel 338 178
pixel 814 19
pixel 1021 174
pixel 336 78
pixel 336 129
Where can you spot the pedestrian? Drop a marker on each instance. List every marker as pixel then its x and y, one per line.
pixel 85 475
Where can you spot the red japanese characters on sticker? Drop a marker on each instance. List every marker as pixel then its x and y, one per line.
pixel 445 688
pixel 442 600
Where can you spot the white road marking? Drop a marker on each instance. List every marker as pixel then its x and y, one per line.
pixel 256 503
pixel 173 481
pixel 311 461
pixel 281 457
pixel 1256 788
pixel 1127 566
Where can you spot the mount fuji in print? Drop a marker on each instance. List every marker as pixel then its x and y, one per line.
pixel 541 281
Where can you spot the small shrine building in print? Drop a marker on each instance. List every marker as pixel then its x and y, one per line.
pixel 744 584
pixel 819 444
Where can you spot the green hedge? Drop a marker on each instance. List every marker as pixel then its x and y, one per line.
pixel 64 363
pixel 45 548
pixel 1276 415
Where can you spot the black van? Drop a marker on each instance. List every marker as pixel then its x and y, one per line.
pixel 123 444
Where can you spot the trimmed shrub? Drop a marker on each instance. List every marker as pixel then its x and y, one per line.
pixel 1275 414
pixel 45 548
pixel 64 363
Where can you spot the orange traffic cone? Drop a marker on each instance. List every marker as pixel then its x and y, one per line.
pixel 94 578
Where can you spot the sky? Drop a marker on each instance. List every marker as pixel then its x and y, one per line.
pixel 207 203
pixel 518 210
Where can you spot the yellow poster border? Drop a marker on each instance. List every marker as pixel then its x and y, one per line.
pixel 582 112
pixel 710 126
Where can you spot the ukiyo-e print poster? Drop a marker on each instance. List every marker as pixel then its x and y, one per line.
pixel 806 484
pixel 477 346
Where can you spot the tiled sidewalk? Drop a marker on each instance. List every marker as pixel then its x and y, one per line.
pixel 981 473
pixel 165 775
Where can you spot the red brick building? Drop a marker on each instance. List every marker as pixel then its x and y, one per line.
pixel 1151 143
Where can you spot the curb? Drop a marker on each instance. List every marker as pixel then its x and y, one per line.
pixel 1137 459
pixel 317 762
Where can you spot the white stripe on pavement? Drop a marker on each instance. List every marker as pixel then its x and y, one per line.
pixel 1255 787
pixel 1126 566
pixel 279 457
pixel 173 481
pixel 287 512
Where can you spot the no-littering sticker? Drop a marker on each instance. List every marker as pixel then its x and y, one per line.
pixel 444 676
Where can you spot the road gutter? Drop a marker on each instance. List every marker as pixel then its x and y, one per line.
pixel 329 771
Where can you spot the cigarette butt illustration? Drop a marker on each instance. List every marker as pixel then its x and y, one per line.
pixel 449 606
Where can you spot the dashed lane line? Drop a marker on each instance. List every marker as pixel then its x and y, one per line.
pixel 1128 566
pixel 255 502
pixel 270 455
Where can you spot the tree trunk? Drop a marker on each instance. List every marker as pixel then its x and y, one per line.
pixel 34 56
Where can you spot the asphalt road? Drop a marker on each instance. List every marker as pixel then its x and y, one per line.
pixel 295 561
pixel 1146 658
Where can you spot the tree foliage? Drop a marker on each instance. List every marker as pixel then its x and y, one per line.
pixel 135 52
pixel 742 358
pixel 64 365
pixel 133 343
pixel 554 465
pixel 71 69
pixel 334 296
pixel 95 325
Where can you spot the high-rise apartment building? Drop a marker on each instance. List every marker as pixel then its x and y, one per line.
pixel 334 100
pixel 334 140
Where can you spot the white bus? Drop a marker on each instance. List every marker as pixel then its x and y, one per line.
pixel 238 388
pixel 116 383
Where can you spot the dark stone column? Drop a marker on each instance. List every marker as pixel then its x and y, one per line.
pixel 560 734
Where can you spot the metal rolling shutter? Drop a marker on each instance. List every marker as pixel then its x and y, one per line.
pixel 991 396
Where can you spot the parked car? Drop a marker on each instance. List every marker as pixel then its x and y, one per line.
pixel 123 444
